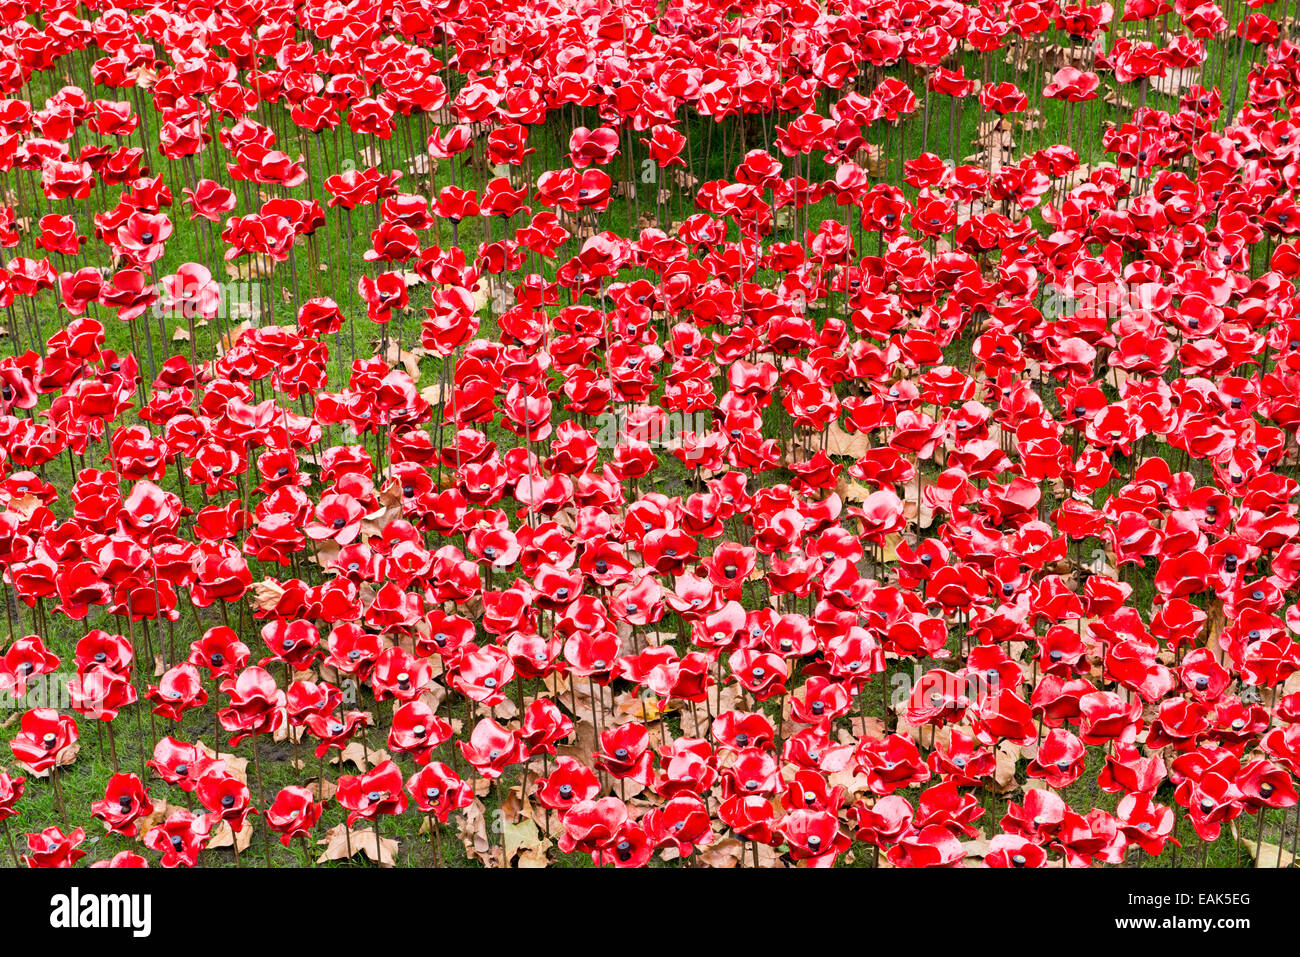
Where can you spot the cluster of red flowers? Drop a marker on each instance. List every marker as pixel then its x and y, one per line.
pixel 988 477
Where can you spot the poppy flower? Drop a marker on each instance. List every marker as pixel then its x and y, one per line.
pixel 1059 760
pixel 179 838
pixel 625 753
pixel 180 689
pixel 378 791
pixel 570 783
pixel 53 848
pixel 25 659
pixel 180 763
pixel 11 791
pixel 436 789
pixel 43 739
pixel 293 813
pixel 417 731
pixel 683 822
pixel 125 801
pixel 491 748
pixel 256 704
pixel 1002 98
pixel 933 846
pixel 592 825
pixel 226 798
pixel 295 642
pixel 219 651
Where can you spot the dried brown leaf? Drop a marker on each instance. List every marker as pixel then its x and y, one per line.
pixel 340 843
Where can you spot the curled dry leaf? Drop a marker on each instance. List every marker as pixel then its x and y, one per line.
pixel 523 842
pixel 1007 755
pixel 630 707
pixel 835 441
pixel 723 853
pixel 266 594
pixel 395 355
pixel 322 789
pixel 434 394
pixel 581 744
pixel 234 764
pixel 471 829
pixel 355 753
pixel 340 843
pixel 221 836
